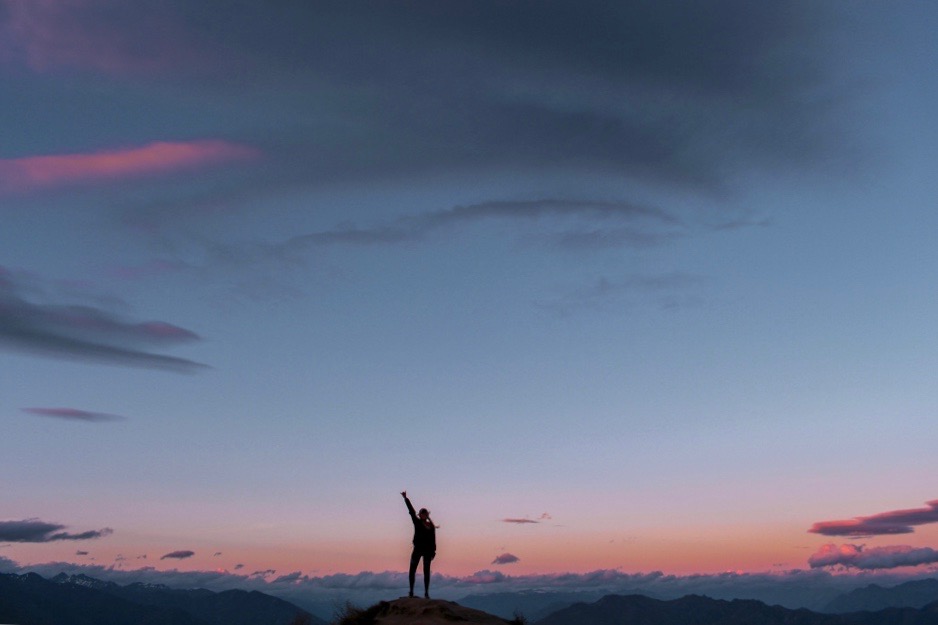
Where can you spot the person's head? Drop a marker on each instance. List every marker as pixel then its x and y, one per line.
pixel 424 514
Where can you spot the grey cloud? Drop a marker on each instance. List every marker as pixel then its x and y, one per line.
pixel 669 290
pixel 238 567
pixel 182 554
pixel 289 578
pixel 73 414
pixel 534 209
pixel 85 333
pixel 506 558
pixel 519 521
pixel 565 217
pixel 81 553
pixel 861 557
pixel 36 531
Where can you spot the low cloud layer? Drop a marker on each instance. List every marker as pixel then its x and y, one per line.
pixel 182 554
pixel 861 557
pixel 85 332
pixel 892 522
pixel 36 531
pixel 795 588
pixel 73 414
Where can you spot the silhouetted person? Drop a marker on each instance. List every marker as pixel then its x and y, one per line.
pixel 424 545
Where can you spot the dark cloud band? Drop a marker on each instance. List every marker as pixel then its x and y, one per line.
pixel 884 523
pixel 861 557
pixel 86 333
pixel 36 531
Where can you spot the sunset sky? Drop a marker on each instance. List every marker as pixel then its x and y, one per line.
pixel 634 286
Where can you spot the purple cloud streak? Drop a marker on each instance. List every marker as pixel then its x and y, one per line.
pixel 73 414
pixel 892 522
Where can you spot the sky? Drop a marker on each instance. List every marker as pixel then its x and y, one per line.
pixel 617 287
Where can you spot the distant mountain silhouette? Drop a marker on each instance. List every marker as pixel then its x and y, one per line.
pixel 914 594
pixel 83 600
pixel 532 604
pixel 33 600
pixel 640 610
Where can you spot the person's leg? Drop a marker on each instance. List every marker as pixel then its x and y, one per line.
pixel 427 558
pixel 412 573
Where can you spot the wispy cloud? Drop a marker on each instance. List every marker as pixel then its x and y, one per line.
pixel 564 217
pixel 32 172
pixel 36 531
pixel 182 554
pixel 892 522
pixel 545 516
pixel 506 558
pixel 861 557
pixel 86 333
pixel 73 414
pixel 668 290
pixel 101 35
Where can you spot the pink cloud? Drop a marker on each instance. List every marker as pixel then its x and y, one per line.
pixel 109 36
pixel 160 157
pixel 483 577
pixel 859 557
pixel 892 522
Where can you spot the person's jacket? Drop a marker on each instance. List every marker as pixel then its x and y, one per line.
pixel 424 536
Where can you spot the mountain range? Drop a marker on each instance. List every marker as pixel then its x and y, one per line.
pixel 641 610
pixel 30 599
pixel 913 594
pixel 81 600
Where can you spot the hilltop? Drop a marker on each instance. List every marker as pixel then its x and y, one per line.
pixel 415 611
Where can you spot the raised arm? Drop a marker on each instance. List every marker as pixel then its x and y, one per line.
pixel 410 506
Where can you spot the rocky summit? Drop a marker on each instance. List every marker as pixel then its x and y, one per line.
pixel 416 611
